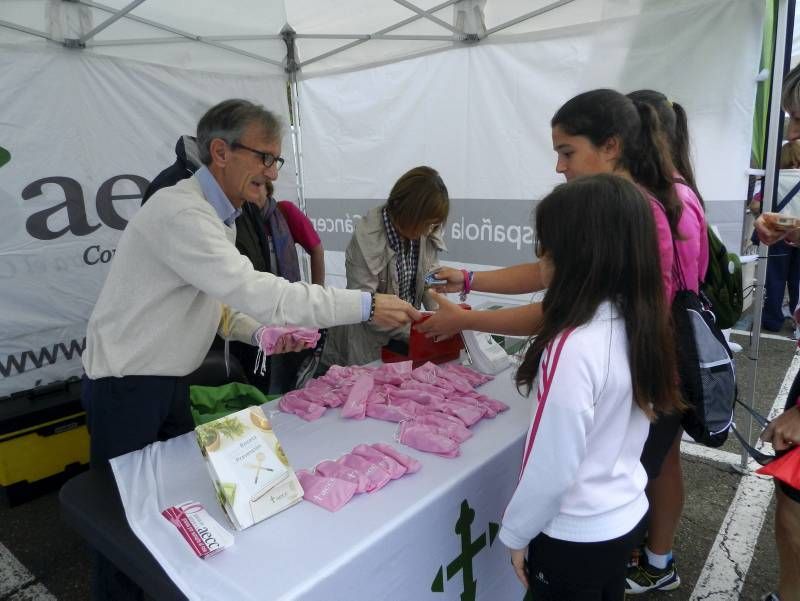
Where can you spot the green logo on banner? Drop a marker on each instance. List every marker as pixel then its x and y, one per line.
pixel 469 549
pixel 5 156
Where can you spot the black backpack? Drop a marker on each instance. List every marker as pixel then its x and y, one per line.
pixel 705 366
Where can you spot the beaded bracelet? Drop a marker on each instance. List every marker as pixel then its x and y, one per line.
pixel 371 306
pixel 468 276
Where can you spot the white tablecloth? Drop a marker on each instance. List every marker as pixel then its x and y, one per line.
pixel 395 544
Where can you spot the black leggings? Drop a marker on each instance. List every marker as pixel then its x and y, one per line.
pixel 560 570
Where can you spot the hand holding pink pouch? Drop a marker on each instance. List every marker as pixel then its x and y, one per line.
pixel 425 438
pixel 412 465
pixel 333 469
pixel 389 465
pixel 330 493
pixel 377 477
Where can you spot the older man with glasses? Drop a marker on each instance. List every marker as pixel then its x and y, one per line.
pixel 175 270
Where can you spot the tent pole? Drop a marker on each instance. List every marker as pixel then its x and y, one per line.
pixel 784 28
pixel 110 21
pixel 385 30
pixel 292 67
pixel 427 15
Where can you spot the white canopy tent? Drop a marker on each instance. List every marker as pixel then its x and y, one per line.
pixel 95 95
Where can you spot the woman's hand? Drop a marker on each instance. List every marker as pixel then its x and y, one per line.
pixel 392 312
pixel 454 277
pixel 783 431
pixel 447 321
pixel 768 230
pixel 520 563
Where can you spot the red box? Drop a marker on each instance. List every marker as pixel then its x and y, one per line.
pixel 422 349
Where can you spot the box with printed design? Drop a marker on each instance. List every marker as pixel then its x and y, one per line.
pixel 249 469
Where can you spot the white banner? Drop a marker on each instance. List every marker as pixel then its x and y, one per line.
pixel 85 135
pixel 481 116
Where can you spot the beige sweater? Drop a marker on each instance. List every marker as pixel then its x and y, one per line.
pixel 174 268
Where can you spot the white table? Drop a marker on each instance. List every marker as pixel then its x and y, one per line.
pixel 427 536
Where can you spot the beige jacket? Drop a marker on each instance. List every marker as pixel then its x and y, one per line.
pixel 371 266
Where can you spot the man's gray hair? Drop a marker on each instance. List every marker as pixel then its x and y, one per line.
pixel 228 120
pixel 790 98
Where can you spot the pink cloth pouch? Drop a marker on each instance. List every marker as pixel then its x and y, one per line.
pixel 356 404
pixel 307 410
pixel 426 438
pixel 458 432
pixel 333 469
pixel 418 396
pixel 329 493
pixel 388 413
pixel 389 465
pixel 412 465
pixel 377 477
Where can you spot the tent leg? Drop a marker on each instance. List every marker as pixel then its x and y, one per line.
pixel 292 67
pixel 782 54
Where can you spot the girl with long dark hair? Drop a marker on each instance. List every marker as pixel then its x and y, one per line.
pixel 602 366
pixel 603 131
pixel 661 458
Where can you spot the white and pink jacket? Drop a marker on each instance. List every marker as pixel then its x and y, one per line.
pixel 581 479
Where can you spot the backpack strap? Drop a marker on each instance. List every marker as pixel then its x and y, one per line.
pixel 789 196
pixel 761 458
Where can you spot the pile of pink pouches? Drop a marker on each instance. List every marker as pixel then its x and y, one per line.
pixel 366 468
pixel 434 404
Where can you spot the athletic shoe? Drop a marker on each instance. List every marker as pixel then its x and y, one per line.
pixel 770 597
pixel 644 578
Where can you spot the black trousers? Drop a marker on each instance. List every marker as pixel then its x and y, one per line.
pixel 123 415
pixel 560 570
pixel 128 413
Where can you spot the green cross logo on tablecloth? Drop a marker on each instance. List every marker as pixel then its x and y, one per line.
pixel 469 549
pixel 5 156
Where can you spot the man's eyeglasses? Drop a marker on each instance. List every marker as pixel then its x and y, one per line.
pixel 269 159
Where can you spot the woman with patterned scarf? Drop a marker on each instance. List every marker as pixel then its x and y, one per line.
pixel 392 249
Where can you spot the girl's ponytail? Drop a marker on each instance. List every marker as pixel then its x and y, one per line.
pixel 651 166
pixel 680 150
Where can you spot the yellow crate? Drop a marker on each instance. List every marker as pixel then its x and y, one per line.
pixel 43 450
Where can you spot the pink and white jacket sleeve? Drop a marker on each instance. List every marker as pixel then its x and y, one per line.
pixel 556 442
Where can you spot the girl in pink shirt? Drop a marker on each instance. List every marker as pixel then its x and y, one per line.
pixel 600 131
pixel 661 456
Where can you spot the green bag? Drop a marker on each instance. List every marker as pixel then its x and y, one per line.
pixel 723 283
pixel 212 402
